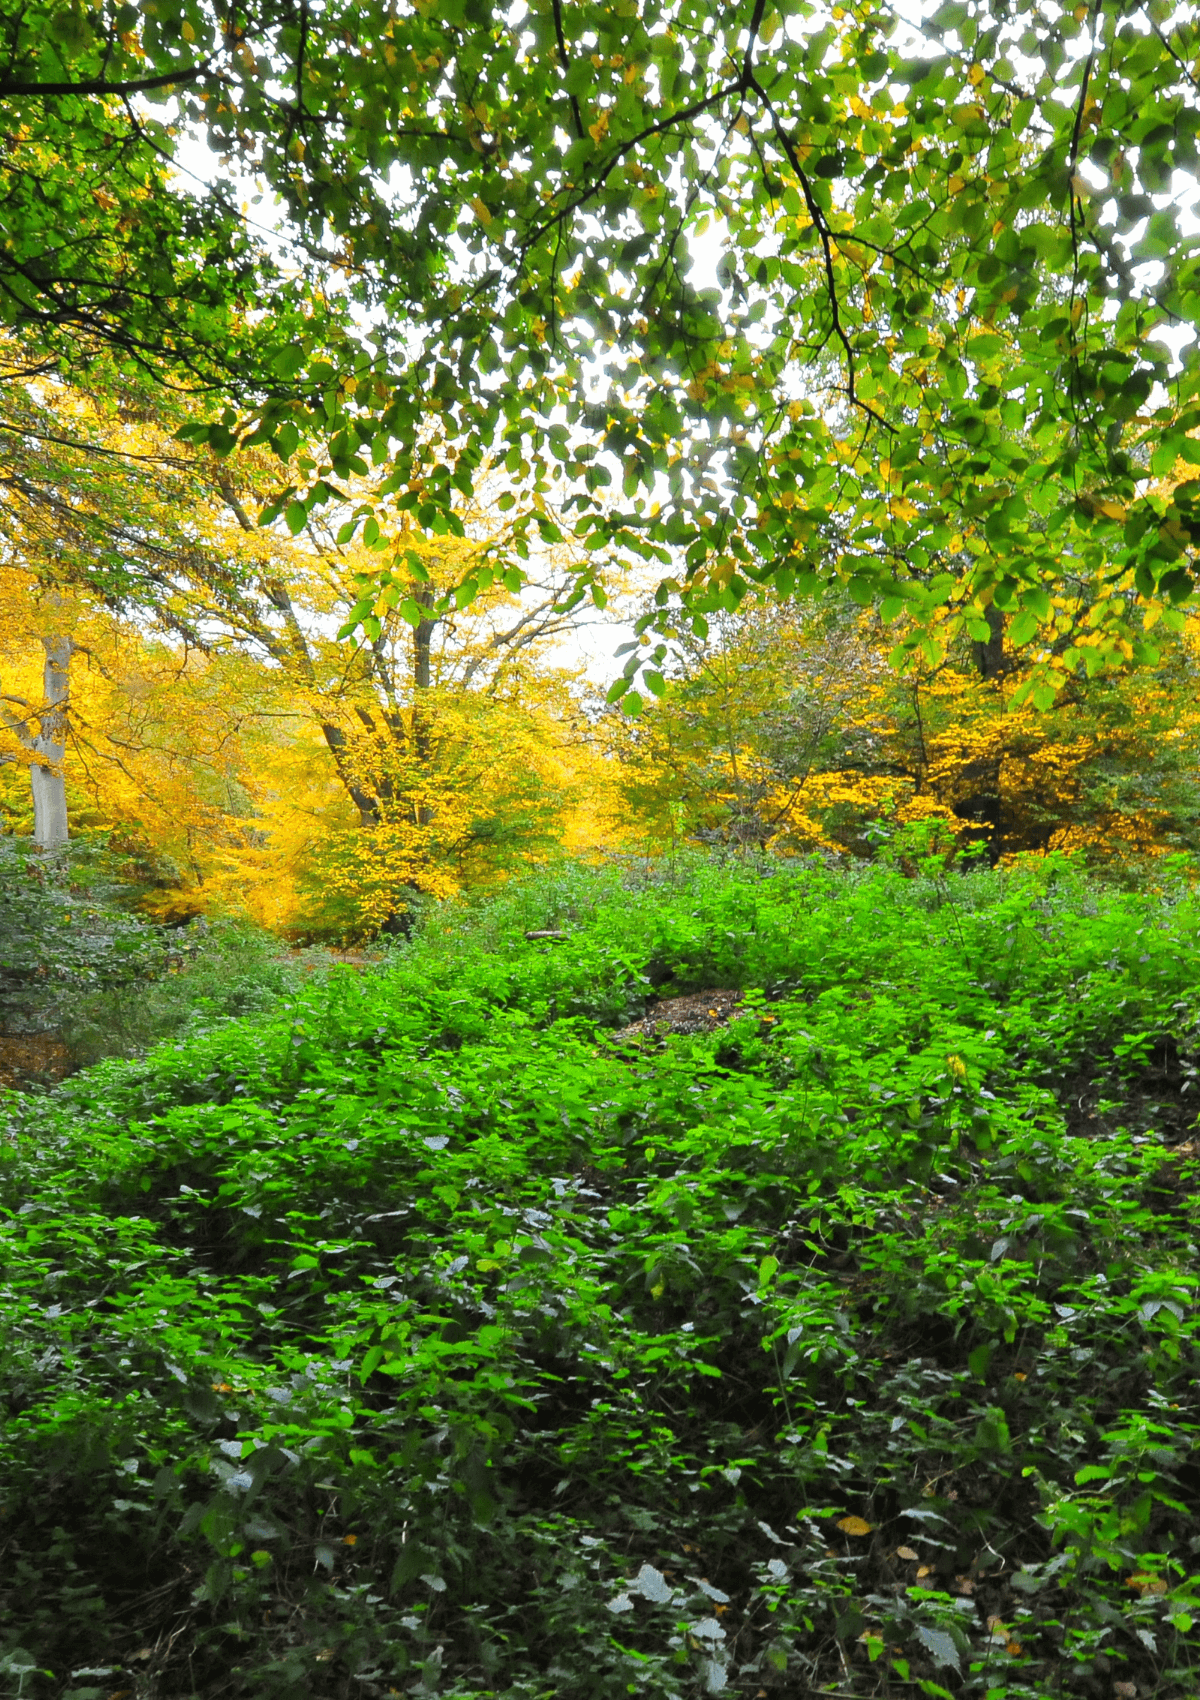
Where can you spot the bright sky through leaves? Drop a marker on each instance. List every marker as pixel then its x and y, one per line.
pixel 940 368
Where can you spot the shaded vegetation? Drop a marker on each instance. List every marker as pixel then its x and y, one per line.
pixel 84 975
pixel 413 1337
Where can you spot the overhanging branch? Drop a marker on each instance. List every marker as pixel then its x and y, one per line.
pixel 11 88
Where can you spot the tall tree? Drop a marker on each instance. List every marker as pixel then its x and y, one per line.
pixel 440 726
pixel 45 747
pixel 789 730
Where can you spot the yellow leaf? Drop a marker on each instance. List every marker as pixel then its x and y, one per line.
pixel 975 75
pixel 906 1552
pixel 481 211
pixel 956 183
pixel 187 31
pixel 854 1526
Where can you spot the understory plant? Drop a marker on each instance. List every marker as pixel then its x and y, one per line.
pixel 426 1335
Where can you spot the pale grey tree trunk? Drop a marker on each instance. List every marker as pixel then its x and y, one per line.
pixel 49 782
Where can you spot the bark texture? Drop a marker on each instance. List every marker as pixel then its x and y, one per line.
pixel 50 825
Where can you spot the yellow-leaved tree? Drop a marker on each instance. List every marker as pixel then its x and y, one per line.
pixel 791 730
pixel 205 703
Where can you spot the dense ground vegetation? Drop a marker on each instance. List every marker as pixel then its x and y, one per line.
pixel 420 1335
pixel 84 974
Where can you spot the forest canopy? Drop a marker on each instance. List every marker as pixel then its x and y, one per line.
pixel 356 355
pixel 771 295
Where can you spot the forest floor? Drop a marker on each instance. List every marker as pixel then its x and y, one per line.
pixel 753 1285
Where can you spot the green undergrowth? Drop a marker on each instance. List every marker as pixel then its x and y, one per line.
pixel 417 1337
pixel 79 967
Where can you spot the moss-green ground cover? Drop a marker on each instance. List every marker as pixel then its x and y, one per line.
pixel 413 1338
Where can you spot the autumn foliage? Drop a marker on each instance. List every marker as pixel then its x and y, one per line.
pixel 223 730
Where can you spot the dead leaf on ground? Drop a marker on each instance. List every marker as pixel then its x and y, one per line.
pixel 694 1012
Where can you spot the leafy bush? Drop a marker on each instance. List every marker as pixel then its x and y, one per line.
pixel 78 965
pixel 207 973
pixel 417 1337
pixel 61 934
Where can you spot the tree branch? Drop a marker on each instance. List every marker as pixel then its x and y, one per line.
pixel 20 727
pixel 822 229
pixel 11 89
pixel 601 177
pixel 91 448
pixel 566 65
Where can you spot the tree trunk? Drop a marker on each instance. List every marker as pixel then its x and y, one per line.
pixel 984 806
pixel 422 680
pixel 422 669
pixel 49 782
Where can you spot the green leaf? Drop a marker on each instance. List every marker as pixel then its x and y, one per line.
pixel 939 1646
pixel 288 361
pixel 1024 628
pixel 1093 1473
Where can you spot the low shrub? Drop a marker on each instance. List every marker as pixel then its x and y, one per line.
pixel 417 1336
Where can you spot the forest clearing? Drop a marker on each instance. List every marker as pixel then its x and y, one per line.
pixel 599 834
